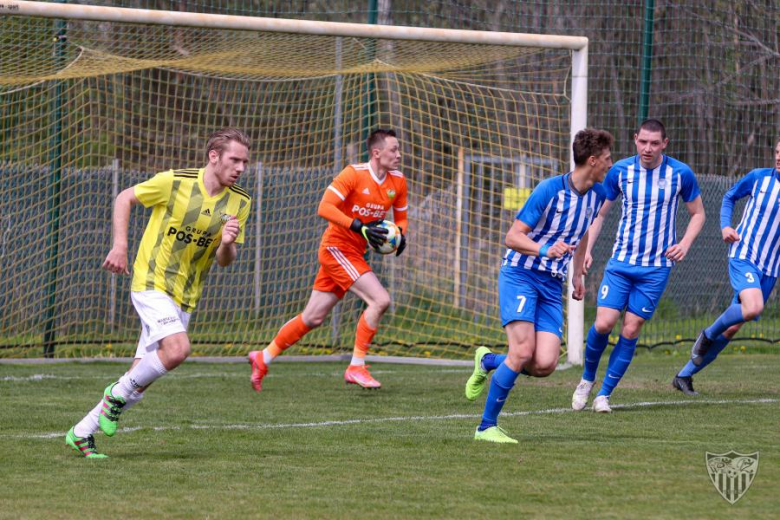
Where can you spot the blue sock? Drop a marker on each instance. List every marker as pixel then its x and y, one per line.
pixel 492 361
pixel 502 382
pixel 619 360
pixel 730 316
pixel 593 351
pixel 716 348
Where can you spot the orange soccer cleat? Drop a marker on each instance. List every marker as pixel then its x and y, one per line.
pixel 259 369
pixel 359 375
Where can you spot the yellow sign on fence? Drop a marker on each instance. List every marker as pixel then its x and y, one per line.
pixel 514 198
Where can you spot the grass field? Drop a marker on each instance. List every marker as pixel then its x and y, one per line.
pixel 202 445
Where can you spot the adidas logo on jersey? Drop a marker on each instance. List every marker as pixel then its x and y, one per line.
pixel 206 212
pixel 366 192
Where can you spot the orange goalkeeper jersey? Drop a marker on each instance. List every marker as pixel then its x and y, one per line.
pixel 357 193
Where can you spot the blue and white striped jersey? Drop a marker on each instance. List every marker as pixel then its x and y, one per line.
pixel 758 230
pixel 648 226
pixel 555 211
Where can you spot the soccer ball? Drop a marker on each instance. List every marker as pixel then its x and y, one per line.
pixel 392 240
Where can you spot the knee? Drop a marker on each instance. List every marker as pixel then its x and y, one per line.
pixel 314 317
pixel 312 322
pixel 603 325
pixel 543 369
pixel 381 304
pixel 631 330
pixel 179 351
pixel 517 360
pixel 752 310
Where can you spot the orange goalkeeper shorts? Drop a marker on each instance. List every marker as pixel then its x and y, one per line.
pixel 339 268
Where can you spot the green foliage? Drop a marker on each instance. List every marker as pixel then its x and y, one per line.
pixel 712 84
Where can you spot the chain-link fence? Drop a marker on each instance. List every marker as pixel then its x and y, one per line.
pixel 710 77
pixel 706 69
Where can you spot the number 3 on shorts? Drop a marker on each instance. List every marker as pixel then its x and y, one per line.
pixel 604 291
pixel 750 277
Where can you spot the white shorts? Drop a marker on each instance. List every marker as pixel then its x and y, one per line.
pixel 160 318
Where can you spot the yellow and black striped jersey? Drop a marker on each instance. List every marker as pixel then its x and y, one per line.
pixel 183 233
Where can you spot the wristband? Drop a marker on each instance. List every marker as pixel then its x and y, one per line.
pixel 543 250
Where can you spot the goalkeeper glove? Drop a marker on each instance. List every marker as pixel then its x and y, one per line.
pixel 402 245
pixel 374 235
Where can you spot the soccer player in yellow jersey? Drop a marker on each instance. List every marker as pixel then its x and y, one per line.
pixel 198 215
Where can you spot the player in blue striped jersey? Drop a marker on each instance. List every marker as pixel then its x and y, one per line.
pixel 754 264
pixel 645 250
pixel 549 232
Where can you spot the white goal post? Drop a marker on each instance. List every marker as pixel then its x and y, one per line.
pixel 577 45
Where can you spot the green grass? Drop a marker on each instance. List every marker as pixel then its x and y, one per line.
pixel 202 445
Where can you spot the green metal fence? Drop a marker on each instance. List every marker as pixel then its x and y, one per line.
pixel 708 70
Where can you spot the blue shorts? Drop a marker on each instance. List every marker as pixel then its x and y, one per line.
pixel 745 275
pixel 533 296
pixel 637 288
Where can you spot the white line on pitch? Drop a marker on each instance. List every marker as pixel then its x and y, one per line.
pixel 347 422
pixel 197 375
pixel 48 377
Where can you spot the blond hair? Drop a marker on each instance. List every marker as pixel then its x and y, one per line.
pixel 221 138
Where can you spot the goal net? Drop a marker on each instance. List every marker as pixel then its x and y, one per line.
pixel 90 106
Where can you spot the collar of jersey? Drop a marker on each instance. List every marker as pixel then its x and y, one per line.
pixel 202 186
pixel 638 163
pixel 373 175
pixel 571 186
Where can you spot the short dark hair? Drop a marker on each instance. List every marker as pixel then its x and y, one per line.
pixel 221 138
pixel 378 136
pixel 590 142
pixel 653 125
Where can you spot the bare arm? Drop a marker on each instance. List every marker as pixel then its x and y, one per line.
pixel 729 234
pixel 593 234
pixel 517 239
pixel 677 252
pixel 116 261
pixel 227 251
pixel 578 268
pixel 578 259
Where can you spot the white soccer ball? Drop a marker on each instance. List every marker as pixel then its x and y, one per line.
pixel 392 239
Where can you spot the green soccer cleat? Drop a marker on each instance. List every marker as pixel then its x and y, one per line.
pixel 476 382
pixel 83 445
pixel 494 434
pixel 112 408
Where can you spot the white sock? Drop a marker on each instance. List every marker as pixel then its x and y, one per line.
pixel 358 361
pixel 91 422
pixel 267 358
pixel 144 374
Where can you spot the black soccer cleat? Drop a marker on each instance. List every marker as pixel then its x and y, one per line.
pixel 684 385
pixel 700 348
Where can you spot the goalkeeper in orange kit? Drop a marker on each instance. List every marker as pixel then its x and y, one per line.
pixel 354 204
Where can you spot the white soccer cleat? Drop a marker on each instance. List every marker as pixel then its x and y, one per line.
pixel 581 395
pixel 601 404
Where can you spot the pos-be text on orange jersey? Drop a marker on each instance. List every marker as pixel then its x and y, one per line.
pixel 356 192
